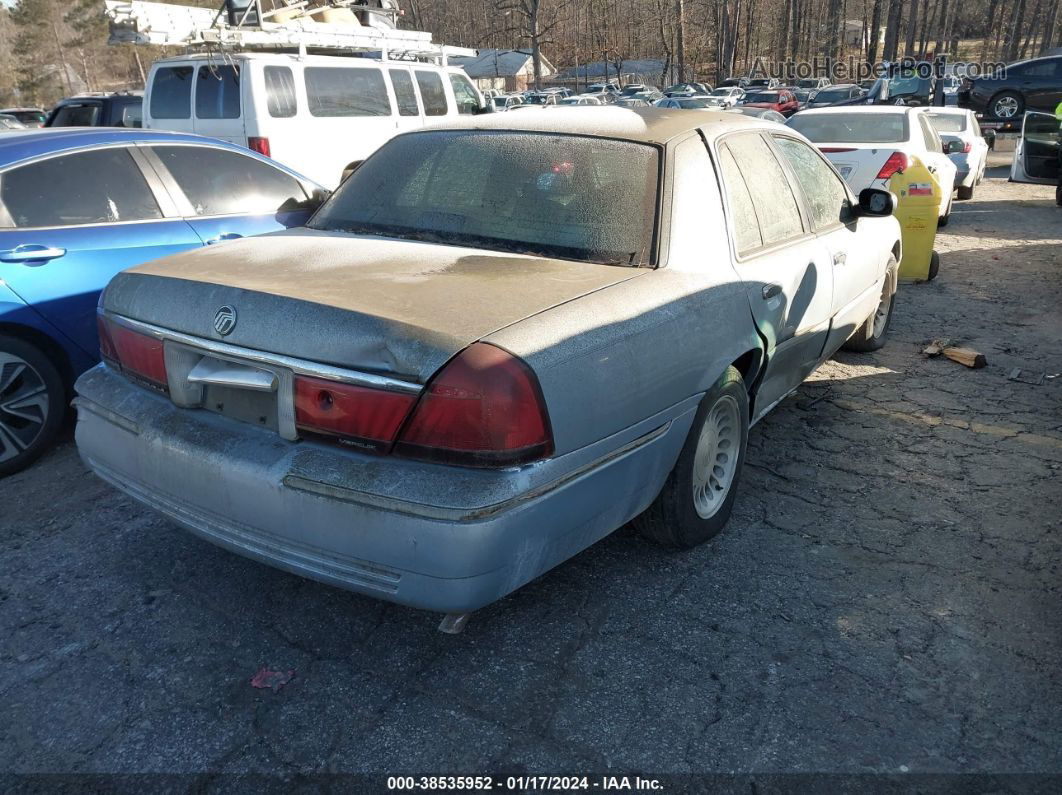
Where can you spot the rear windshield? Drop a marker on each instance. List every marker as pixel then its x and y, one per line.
pixel 948 122
pixel 77 115
pixel 568 196
pixel 834 95
pixel 171 93
pixel 852 128
pixel 763 96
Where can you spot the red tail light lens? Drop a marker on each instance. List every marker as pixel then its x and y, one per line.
pixel 107 349
pixel 259 145
pixel 137 353
pixel 896 164
pixel 967 147
pixel 484 408
pixel 360 416
pixel 830 149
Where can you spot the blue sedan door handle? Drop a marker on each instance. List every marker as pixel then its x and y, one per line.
pixel 31 253
pixel 224 237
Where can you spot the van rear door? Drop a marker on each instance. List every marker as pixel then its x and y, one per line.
pixel 168 101
pixel 218 107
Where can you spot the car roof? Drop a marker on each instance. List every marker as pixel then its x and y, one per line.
pixel 861 109
pixel 18 145
pixel 646 125
pixel 295 58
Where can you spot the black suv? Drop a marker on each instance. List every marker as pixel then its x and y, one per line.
pixel 1006 95
pixel 124 109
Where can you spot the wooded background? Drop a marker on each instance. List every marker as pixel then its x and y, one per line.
pixel 53 48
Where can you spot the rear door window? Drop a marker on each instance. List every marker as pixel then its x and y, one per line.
pixel 220 182
pixel 280 92
pixel 171 93
pixel 346 92
pixel 217 93
pixel 775 204
pixel 404 93
pixel 743 215
pixel 98 187
pixel 432 93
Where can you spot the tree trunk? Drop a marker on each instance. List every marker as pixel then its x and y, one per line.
pixel 892 31
pixel 875 33
pixel 680 38
pixel 912 27
pixel 1013 31
pixel 1049 27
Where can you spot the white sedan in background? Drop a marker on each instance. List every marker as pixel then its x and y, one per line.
pixel 728 96
pixel 871 143
pixel 971 158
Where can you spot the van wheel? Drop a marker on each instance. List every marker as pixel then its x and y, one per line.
pixel 871 335
pixel 698 495
pixel 32 404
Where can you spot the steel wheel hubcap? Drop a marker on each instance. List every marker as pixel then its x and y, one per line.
pixel 1006 107
pixel 881 315
pixel 715 461
pixel 23 405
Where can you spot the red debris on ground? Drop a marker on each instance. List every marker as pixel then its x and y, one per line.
pixel 271 679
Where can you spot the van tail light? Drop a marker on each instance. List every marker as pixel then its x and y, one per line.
pixel 354 415
pixel 896 164
pixel 832 149
pixel 484 408
pixel 137 354
pixel 258 144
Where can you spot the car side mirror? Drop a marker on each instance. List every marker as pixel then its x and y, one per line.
pixel 876 203
pixel 486 107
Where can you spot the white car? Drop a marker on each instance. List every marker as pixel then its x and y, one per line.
pixel 729 96
pixel 320 115
pixel 1037 156
pixel 965 145
pixel 868 144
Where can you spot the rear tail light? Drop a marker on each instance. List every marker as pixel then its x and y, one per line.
pixel 967 147
pixel 353 414
pixel 258 144
pixel 137 354
pixel 829 149
pixel 484 408
pixel 896 164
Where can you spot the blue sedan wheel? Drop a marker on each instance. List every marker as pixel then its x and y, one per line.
pixel 695 502
pixel 31 404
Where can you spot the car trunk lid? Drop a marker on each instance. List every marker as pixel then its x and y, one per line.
pixel 374 304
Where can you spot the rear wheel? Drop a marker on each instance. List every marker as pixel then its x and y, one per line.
pixel 698 496
pixel 946 218
pixel 871 335
pixel 32 404
pixel 934 267
pixel 963 193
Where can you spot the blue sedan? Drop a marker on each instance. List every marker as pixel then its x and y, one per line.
pixel 79 205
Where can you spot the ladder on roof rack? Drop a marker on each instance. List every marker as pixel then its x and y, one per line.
pixel 331 26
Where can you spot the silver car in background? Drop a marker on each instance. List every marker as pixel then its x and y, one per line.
pixel 494 345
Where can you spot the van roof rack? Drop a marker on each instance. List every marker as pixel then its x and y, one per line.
pixel 337 27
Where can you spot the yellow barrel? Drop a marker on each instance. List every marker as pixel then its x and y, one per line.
pixel 917 210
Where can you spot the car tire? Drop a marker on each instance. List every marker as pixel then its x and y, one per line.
pixel 934 267
pixel 963 193
pixel 1007 105
pixel 945 219
pixel 695 502
pixel 1058 194
pixel 871 335
pixel 32 404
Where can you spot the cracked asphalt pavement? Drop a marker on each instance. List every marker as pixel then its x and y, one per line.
pixel 886 598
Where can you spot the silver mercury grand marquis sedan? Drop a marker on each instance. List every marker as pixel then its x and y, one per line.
pixel 495 344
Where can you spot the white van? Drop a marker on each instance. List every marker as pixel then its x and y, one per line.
pixel 316 114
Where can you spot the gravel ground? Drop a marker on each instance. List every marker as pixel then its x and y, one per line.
pixel 886 597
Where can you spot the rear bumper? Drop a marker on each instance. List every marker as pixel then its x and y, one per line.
pixel 424 535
